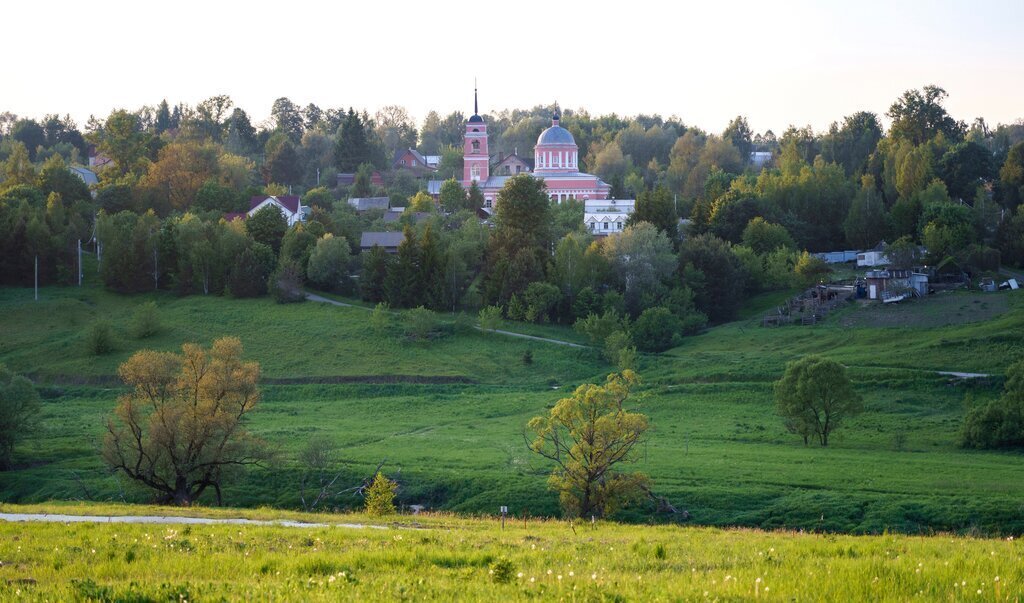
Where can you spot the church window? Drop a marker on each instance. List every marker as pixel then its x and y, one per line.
pixel 476 146
pixel 487 202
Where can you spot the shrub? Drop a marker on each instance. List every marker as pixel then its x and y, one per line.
pixel 528 357
pixel 597 328
pixel 145 321
pixel 420 324
pixel 380 318
pixel 999 423
pixel 286 283
pixel 490 318
pixel 380 496
pixel 614 344
pixel 99 338
pixel 657 329
pixel 503 571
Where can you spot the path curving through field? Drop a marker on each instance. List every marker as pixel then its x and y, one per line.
pixel 173 520
pixel 325 300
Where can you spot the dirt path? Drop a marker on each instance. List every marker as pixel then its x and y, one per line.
pixel 170 519
pixel 319 298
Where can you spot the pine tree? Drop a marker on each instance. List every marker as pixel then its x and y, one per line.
pixel 375 270
pixel 403 286
pixel 432 271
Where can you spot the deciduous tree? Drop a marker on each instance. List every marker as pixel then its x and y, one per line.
pixel 815 396
pixel 181 428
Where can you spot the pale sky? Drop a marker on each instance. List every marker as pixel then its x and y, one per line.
pixel 777 62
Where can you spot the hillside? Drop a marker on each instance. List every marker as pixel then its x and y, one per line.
pixel 448 416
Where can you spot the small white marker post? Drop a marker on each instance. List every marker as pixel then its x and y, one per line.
pixel 504 512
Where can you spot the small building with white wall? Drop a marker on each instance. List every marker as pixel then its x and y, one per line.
pixel 607 216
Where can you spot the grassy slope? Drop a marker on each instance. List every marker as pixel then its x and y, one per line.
pixel 717 449
pixel 449 559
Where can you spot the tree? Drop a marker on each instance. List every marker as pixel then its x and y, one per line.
pixel 965 167
pixel 918 116
pixel 29 133
pixel 328 263
pixel 1011 177
pixel 403 285
pixel 252 268
pixel 285 283
pixel 267 226
pixel 815 396
pixel 642 257
pixel 380 497
pixel 865 224
pixel 287 118
pixel 519 248
pixel 851 144
pixel 764 237
pixel 282 161
pixel 19 412
pixel 421 202
pixel 738 131
pixel 655 207
pixel 710 268
pixel 180 171
pixel 124 140
pixel 452 196
pixel 376 265
pixel 810 269
pixel 353 145
pixel 1000 422
pixel 181 428
pixel 587 436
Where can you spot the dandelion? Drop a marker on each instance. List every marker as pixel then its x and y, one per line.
pixel 571 574
pixel 532 578
pixel 979 591
pixel 996 579
pixel 550 572
pixel 593 576
pixel 766 589
pixel 559 576
pixel 519 575
pixel 333 578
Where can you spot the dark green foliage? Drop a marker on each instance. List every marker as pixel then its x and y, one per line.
pixel 518 248
pixel 252 268
pixel 764 237
pixel 298 243
pixel 656 208
pixel 731 214
pixel 354 146
pixel 19 412
pixel 403 285
pixel 213 196
pixel 656 330
pixel 376 264
pixel 286 282
pixel 851 144
pixel 145 321
pixel 539 303
pixel 709 267
pixel 965 167
pixel 29 133
pixel 452 196
pixel 267 226
pixel 1011 177
pixel 281 165
pixel 99 338
pixel 1000 422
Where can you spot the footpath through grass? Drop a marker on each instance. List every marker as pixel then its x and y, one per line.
pixel 456 559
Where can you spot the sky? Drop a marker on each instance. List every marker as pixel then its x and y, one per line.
pixel 778 63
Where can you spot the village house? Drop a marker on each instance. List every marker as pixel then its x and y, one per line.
pixel 349 179
pixel 388 241
pixel 367 203
pixel 415 162
pixel 510 165
pixel 289 205
pixel 603 217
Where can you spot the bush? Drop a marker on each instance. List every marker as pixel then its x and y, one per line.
pixel 286 283
pixel 99 338
pixel 420 324
pixel 145 321
pixel 503 571
pixel 614 344
pixel 999 423
pixel 490 318
pixel 528 357
pixel 657 329
pixel 380 318
pixel 380 496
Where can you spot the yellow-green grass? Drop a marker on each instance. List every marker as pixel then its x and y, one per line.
pixel 459 559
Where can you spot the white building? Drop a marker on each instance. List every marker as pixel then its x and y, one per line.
pixel 871 259
pixel 607 216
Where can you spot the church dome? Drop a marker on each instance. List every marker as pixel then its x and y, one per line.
pixel 556 135
pixel 476 119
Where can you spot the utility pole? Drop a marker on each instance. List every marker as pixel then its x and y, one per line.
pixel 79 262
pixel 37 277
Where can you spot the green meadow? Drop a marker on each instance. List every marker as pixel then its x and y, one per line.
pixel 447 417
pixel 445 558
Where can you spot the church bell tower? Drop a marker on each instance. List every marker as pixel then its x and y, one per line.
pixel 476 160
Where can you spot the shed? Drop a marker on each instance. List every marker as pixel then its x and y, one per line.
pixel 367 203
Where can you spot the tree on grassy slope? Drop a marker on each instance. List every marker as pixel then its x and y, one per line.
pixel 999 423
pixel 181 427
pixel 587 435
pixel 815 396
pixel 19 412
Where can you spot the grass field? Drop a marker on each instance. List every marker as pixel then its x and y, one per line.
pixel 452 431
pixel 442 558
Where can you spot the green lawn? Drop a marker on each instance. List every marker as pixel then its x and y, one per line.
pixel 716 449
pixel 439 558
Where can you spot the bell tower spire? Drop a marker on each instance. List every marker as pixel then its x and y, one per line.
pixel 476 160
pixel 476 108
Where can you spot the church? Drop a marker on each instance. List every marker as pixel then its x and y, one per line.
pixel 556 160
